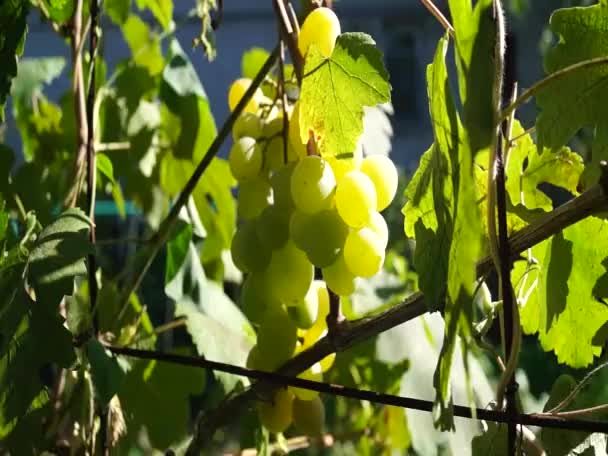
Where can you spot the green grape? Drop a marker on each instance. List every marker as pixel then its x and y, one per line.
pixel 277 336
pixel 321 235
pixel 381 170
pixel 273 227
pixel 378 225
pixel 304 311
pixel 356 199
pixel 312 185
pixel 247 124
pixel 256 361
pixel 344 164
pixel 276 415
pixel 321 28
pixel 295 139
pixel 338 277
pixel 236 92
pixel 245 249
pixel 254 196
pixel 281 187
pixel 363 252
pixel 320 325
pixel 309 416
pixel 312 373
pixel 245 159
pixel 255 296
pixel 291 273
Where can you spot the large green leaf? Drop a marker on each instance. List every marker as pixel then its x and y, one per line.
pixel 562 306
pixel 442 214
pixel 576 100
pixel 33 75
pixel 475 36
pixel 144 44
pixel 161 9
pixel 60 10
pixel 32 334
pixel 118 10
pixel 253 61
pixel 58 256
pixel 13 14
pixel 156 396
pixel 335 90
pixel 212 318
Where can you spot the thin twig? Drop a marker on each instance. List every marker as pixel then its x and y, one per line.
pixel 298 443
pixel 354 332
pixel 167 225
pixel 123 145
pixel 289 34
pixel 580 412
pixel 283 94
pixel 429 5
pixel 362 394
pixel 570 397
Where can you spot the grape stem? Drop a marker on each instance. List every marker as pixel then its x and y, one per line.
pixel 334 317
pixel 353 332
pixel 288 30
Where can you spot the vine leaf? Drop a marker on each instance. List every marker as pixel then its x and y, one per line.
pixel 561 306
pixel 151 386
pixel 107 372
pixel 144 45
pixel 212 318
pixel 60 10
pixel 191 130
pixel 335 90
pixel 442 214
pixel 474 41
pixel 13 15
pixel 253 61
pixel 559 443
pixel 576 100
pixel 493 441
pixel 161 9
pixel 118 10
pixel 32 334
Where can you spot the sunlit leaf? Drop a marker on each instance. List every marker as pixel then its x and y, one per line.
pixel 335 90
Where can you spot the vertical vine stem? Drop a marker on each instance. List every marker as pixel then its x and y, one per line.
pixel 91 161
pixel 167 224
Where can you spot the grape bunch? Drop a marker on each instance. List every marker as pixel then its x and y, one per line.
pixel 300 211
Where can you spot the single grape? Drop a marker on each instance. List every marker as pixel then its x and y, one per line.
pixel 356 199
pixel 256 361
pixel 245 249
pixel 291 273
pixel 327 362
pixel 381 170
pixel 295 139
pixel 245 159
pixel 304 311
pixel 277 336
pixel 320 325
pixel 276 415
pixel 312 185
pixel 321 28
pixel 236 92
pixel 363 252
pixel 321 235
pixel 281 187
pixel 312 373
pixel 254 196
pixel 273 227
pixel 247 124
pixel 338 277
pixel 378 225
pixel 309 416
pixel 344 163
pixel 255 296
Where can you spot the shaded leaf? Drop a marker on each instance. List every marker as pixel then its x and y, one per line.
pixel 335 90
pixel 106 372
pixel 493 441
pixel 13 15
pixel 118 10
pixel 60 10
pixel 576 100
pixel 144 45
